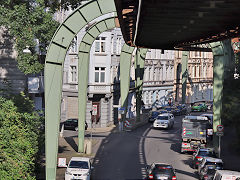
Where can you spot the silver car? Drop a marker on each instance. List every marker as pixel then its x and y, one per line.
pixel 165 120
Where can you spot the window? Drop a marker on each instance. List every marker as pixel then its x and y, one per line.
pixel 99 74
pixel 73 73
pixel 100 44
pixel 73 46
pixel 119 45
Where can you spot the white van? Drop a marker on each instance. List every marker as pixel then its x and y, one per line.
pixel 226 175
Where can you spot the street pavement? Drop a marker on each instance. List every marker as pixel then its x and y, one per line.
pixel 124 155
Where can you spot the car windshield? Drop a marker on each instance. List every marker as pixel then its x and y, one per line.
pixel 162 118
pixel 79 164
pixel 206 153
pixel 163 169
pixel 155 113
pixel 72 120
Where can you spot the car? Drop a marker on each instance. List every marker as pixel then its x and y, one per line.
pixel 72 124
pixel 182 108
pixel 153 116
pixel 207 173
pixel 165 120
pixel 161 171
pixel 78 168
pixel 199 106
pixel 226 174
pixel 210 161
pixel 200 153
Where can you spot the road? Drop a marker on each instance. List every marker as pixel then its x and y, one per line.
pixel 124 155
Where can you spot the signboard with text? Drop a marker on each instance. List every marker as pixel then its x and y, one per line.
pixel 94 110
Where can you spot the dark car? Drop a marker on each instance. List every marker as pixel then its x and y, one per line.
pixel 72 124
pixel 161 171
pixel 182 108
pixel 153 116
pixel 207 173
pixel 200 153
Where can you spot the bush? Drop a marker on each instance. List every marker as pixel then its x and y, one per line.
pixel 19 138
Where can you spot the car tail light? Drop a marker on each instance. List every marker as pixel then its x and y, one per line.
pixel 198 157
pixel 174 178
pixel 205 176
pixel 150 176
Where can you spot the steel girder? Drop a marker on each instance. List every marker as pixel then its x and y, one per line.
pixel 125 65
pixel 139 73
pixel 222 60
pixel 185 55
pixel 83 68
pixel 54 68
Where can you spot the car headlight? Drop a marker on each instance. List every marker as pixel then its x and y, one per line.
pixel 68 173
pixel 86 174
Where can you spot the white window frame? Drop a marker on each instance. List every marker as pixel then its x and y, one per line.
pixel 101 72
pixel 74 46
pixel 100 45
pixel 73 74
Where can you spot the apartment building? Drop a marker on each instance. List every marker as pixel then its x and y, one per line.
pixel 200 77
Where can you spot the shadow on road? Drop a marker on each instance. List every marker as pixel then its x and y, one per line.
pixel 121 155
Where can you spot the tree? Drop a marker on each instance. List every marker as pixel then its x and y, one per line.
pixel 19 138
pixel 26 22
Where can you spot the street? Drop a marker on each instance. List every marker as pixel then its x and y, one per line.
pixel 125 155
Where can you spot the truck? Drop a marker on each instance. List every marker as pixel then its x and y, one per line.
pixel 194 133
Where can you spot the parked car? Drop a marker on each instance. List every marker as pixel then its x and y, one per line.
pixel 226 174
pixel 207 173
pixel 210 161
pixel 72 124
pixel 199 106
pixel 165 120
pixel 200 153
pixel 161 171
pixel 182 108
pixel 153 116
pixel 78 168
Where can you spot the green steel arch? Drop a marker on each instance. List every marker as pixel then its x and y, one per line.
pixel 54 68
pixel 83 68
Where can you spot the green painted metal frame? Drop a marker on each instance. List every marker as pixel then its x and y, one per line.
pixel 222 57
pixel 125 65
pixel 54 68
pixel 185 55
pixel 83 68
pixel 139 73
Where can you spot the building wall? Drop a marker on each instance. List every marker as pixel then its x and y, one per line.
pixel 158 77
pixel 12 80
pixel 200 77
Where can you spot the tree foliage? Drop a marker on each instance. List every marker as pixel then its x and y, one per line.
pixel 19 138
pixel 26 21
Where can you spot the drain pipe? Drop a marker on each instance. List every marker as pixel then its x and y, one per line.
pixel 138 16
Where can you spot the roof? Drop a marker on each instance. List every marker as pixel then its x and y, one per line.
pixel 80 159
pixel 170 24
pixel 165 114
pixel 211 159
pixel 196 117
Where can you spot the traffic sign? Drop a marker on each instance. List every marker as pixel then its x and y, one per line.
pixel 219 133
pixel 94 110
pixel 121 110
pixel 220 128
